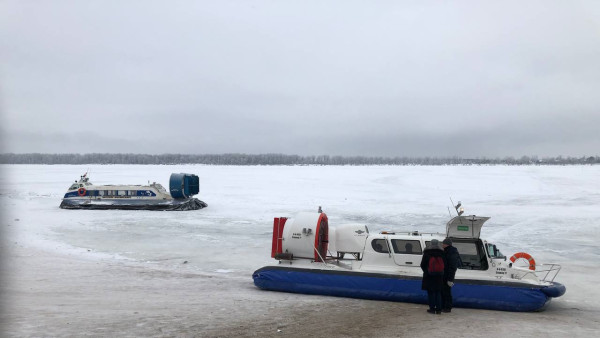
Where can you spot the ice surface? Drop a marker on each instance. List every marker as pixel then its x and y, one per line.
pixel 551 212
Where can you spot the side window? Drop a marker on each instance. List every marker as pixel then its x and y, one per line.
pixel 380 245
pixel 410 247
pixel 493 251
pixel 428 244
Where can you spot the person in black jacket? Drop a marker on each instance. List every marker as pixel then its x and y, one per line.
pixel 451 263
pixel 432 282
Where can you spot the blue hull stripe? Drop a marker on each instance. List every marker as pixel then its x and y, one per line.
pixel 397 288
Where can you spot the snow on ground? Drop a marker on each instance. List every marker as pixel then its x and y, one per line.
pixel 156 273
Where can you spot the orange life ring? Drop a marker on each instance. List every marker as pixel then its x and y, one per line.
pixel 525 256
pixel 81 191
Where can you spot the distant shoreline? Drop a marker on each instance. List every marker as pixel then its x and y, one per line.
pixel 281 159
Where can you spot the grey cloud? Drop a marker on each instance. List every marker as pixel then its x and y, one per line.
pixel 335 77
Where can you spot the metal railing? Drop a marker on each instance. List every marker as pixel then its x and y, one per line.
pixel 549 271
pixel 543 272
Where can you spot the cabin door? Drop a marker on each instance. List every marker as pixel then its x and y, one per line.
pixel 406 252
pixel 382 245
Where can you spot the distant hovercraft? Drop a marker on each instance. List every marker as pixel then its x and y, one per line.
pixel 84 195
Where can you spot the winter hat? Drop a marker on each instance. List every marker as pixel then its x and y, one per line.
pixel 435 244
pixel 447 241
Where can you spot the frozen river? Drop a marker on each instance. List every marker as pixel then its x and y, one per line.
pixel 551 212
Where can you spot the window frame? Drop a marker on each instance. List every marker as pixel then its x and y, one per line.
pixel 386 245
pixel 481 254
pixel 407 241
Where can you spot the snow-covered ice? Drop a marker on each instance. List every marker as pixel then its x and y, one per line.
pixel 551 212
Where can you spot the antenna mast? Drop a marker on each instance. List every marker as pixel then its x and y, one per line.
pixel 456 207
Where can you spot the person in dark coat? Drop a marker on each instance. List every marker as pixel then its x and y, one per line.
pixel 432 283
pixel 451 263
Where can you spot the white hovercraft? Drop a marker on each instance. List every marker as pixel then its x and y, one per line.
pixel 84 195
pixel 386 266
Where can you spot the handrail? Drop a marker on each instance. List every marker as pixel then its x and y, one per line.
pixel 552 271
pixel 412 233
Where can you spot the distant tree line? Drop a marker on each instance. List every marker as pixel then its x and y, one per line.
pixel 281 159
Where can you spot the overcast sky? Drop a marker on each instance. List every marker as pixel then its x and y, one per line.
pixel 375 78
